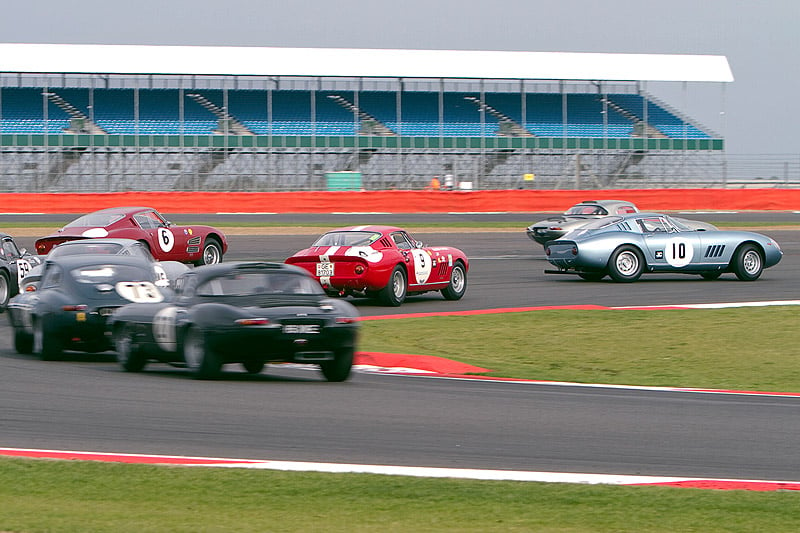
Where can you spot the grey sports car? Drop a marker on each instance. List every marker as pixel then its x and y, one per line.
pixel 624 247
pixel 576 216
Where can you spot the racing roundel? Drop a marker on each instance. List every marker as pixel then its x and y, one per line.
pixel 166 240
pixel 164 329
pixel 422 265
pixel 678 252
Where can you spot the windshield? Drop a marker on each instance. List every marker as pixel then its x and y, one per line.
pixel 347 238
pixel 96 220
pixel 249 283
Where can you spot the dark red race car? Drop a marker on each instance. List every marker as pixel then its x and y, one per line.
pixel 201 245
pixel 384 262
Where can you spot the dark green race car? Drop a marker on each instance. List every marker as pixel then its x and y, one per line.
pixel 247 313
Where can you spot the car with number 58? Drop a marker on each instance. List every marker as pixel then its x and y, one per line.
pixel 247 313
pixel 625 247
pixel 15 265
pixel 383 262
pixel 74 298
pixel 201 245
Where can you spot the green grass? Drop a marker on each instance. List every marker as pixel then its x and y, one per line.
pixel 737 348
pixel 67 496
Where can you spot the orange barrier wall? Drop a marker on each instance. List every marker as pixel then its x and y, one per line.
pixel 523 201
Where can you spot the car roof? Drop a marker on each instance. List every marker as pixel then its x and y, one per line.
pixel 100 240
pixel 220 269
pixel 76 261
pixel 605 202
pixel 123 210
pixel 374 228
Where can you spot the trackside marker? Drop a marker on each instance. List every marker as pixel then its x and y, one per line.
pixel 413 471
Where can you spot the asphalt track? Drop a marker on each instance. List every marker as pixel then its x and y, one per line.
pixel 85 403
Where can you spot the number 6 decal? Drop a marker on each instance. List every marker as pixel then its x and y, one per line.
pixel 679 252
pixel 166 240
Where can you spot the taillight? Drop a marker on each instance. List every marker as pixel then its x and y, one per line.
pixel 574 250
pixel 30 288
pixel 360 269
pixel 547 251
pixel 80 307
pixel 345 319
pixel 554 228
pixel 253 321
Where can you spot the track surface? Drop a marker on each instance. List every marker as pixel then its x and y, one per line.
pixel 85 403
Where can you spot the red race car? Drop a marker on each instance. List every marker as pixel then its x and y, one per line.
pixel 383 262
pixel 201 245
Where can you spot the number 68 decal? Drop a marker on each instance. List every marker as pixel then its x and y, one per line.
pixel 139 291
pixel 679 252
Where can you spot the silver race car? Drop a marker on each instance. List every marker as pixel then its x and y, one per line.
pixel 576 216
pixel 624 247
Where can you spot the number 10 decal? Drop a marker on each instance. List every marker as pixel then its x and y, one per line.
pixel 679 252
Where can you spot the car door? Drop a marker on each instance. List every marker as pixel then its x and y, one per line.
pixel 167 243
pixel 668 248
pixel 418 261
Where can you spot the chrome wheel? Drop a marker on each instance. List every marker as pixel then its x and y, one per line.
pixel 458 283
pixel 626 264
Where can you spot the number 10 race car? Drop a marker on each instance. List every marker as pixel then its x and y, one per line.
pixel 383 262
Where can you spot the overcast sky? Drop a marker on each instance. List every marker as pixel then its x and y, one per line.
pixel 760 39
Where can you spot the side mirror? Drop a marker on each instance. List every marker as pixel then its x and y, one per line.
pixel 419 244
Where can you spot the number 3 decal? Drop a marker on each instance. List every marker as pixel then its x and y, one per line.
pixel 166 240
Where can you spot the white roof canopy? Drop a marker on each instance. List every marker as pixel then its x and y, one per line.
pixel 352 62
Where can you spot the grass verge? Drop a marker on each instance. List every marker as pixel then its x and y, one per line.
pixel 67 496
pixel 736 348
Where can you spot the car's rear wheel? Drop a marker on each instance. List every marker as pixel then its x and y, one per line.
pixel 212 252
pixel 592 276
pixel 5 290
pixel 748 263
pixel 23 342
pixel 711 275
pixel 394 293
pixel 626 264
pixel 129 355
pixel 458 283
pixel 253 366
pixel 201 360
pixel 45 344
pixel 338 369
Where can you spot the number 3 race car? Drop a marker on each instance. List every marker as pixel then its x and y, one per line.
pixel 624 247
pixel 201 245
pixel 383 262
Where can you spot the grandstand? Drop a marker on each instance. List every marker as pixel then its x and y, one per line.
pixel 92 130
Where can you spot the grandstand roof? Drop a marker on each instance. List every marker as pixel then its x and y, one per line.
pixel 351 62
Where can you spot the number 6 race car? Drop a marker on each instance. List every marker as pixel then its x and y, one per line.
pixel 383 262
pixel 624 247
pixel 201 245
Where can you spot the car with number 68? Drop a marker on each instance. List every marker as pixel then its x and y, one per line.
pixel 625 247
pixel 74 299
pixel 246 313
pixel 383 262
pixel 201 245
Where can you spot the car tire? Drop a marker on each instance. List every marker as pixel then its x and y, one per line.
pixel 253 366
pixel 5 290
pixel 592 276
pixel 23 342
pixel 212 252
pixel 748 263
pixel 45 344
pixel 626 264
pixel 458 283
pixel 711 275
pixel 338 369
pixel 201 361
pixel 129 354
pixel 394 293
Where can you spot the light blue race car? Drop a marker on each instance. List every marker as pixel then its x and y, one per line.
pixel 624 247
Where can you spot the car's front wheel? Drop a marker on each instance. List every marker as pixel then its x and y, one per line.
pixel 201 360
pixel 338 369
pixel 394 293
pixel 458 283
pixel 748 263
pixel 212 252
pixel 129 356
pixel 45 343
pixel 626 264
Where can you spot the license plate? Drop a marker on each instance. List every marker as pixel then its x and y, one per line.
pixel 324 269
pixel 301 329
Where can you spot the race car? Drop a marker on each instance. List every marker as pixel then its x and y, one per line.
pixel 248 313
pixel 624 247
pixel 15 266
pixel 74 298
pixel 585 212
pixel 383 262
pixel 201 245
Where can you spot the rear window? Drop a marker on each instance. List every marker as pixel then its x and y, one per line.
pixel 95 220
pixel 250 283
pixel 347 238
pixel 586 210
pixel 83 248
pixel 111 274
pixel 601 223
